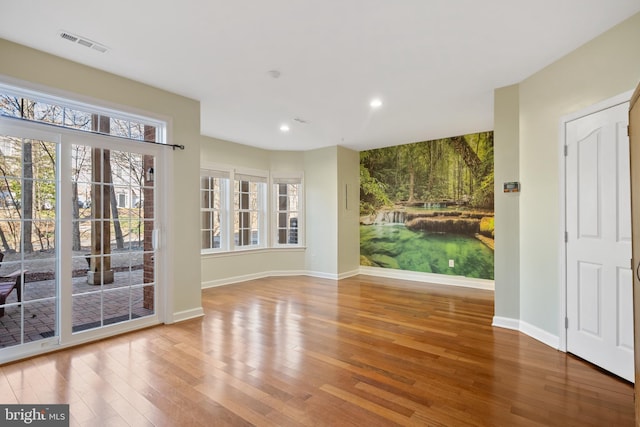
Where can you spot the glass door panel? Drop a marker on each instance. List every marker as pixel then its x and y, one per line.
pixel 28 267
pixel 113 253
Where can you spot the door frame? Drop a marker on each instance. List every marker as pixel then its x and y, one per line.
pixel 164 210
pixel 562 190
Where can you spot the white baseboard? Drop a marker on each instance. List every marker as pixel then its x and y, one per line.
pixel 234 279
pixel 439 279
pixel 540 334
pixel 348 274
pixel 255 276
pixel 321 275
pixel 527 329
pixel 187 314
pixel 506 323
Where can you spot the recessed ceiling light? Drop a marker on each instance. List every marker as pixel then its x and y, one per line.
pixel 284 128
pixel 376 103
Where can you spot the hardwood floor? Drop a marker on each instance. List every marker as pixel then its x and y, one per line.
pixel 304 351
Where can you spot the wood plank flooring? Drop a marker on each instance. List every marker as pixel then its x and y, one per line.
pixel 301 351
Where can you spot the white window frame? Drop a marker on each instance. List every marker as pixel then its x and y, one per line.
pixel 261 178
pixel 65 102
pixel 278 178
pixel 225 235
pixel 268 208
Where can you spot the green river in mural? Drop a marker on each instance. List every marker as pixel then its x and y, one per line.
pixel 395 246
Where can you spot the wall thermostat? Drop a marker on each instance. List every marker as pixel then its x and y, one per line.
pixel 512 187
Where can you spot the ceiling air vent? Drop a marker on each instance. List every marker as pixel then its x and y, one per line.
pixel 83 41
pixel 69 37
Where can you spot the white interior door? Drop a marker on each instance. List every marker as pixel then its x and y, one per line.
pixel 599 275
pixel 634 154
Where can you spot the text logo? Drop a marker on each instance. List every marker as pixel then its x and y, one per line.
pixel 34 415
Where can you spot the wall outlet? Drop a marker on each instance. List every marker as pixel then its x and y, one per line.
pixel 451 263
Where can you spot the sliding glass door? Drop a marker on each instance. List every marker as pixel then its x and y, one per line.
pixel 28 237
pixel 78 221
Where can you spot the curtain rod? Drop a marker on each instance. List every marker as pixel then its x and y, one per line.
pixel 91 132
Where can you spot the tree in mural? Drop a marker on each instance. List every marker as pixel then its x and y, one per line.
pixel 455 171
pixel 372 195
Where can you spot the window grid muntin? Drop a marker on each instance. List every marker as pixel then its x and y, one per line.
pixel 60 110
pixel 287 213
pixel 248 202
pixel 212 202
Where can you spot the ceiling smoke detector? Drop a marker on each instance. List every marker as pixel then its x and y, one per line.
pixel 83 41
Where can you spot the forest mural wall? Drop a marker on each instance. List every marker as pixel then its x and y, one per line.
pixel 428 206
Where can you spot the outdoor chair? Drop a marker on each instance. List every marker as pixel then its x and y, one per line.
pixel 7 287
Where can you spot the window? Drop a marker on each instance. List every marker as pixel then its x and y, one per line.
pixel 65 214
pixel 249 210
pixel 26 105
pixel 213 205
pixel 234 209
pixel 287 210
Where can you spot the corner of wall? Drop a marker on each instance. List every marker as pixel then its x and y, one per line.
pixel 321 209
pixel 348 211
pixel 507 205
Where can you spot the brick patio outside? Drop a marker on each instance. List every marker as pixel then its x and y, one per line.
pixel 39 306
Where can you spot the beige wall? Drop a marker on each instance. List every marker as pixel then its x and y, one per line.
pixel 321 193
pixel 605 67
pixel 348 211
pixel 506 137
pixel 219 269
pixel 66 78
pixel 222 269
pixel 331 224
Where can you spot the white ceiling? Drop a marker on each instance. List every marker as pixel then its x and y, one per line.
pixel 434 63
